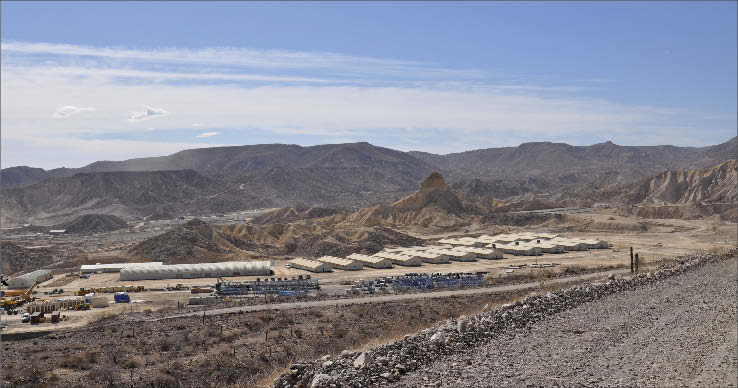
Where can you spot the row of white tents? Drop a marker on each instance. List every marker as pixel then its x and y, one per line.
pixel 388 258
pixel 454 249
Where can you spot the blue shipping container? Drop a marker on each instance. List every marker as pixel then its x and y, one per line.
pixel 121 297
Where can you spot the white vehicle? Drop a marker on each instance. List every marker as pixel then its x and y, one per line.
pixel 25 317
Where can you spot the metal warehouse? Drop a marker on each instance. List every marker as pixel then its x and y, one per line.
pixel 339 263
pixel 310 265
pixel 371 261
pixel 29 279
pixel 191 271
pixel 114 267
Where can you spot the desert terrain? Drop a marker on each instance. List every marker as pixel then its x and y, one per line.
pixel 168 336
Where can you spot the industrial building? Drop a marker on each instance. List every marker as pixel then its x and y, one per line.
pixel 192 271
pixel 371 261
pixel 29 279
pixel 339 263
pixel 113 267
pixel 310 265
pixel 404 260
pixel 482 253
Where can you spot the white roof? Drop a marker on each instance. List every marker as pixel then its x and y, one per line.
pixel 229 266
pixel 335 260
pixel 365 258
pixel 57 231
pixel 92 267
pixel 307 263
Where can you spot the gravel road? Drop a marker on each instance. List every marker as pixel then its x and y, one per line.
pixel 680 332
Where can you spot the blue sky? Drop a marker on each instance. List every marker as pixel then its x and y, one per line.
pixel 114 80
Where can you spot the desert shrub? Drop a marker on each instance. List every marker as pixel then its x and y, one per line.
pixel 106 376
pixel 160 380
pixel 81 361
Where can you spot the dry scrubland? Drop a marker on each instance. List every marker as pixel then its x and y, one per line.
pixel 184 352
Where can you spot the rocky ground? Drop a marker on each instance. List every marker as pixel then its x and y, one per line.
pixel 672 327
pixel 676 333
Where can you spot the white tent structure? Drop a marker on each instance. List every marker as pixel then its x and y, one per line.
pixel 456 255
pixel 193 271
pixel 519 249
pixel 404 260
pixel 547 246
pixel 371 261
pixel 429 257
pixel 113 267
pixel 482 253
pixel 29 279
pixel 310 265
pixel 339 263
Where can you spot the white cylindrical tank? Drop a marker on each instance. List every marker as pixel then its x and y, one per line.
pixel 99 302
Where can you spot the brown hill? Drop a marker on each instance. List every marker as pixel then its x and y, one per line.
pixel 199 241
pixel 717 184
pixel 435 205
pixel 16 258
pixel 93 223
pixel 190 242
pixel 293 213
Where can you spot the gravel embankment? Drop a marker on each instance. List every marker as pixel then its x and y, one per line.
pixel 671 327
pixel 680 332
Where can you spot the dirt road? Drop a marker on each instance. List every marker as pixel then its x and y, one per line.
pixel 676 333
pixel 394 298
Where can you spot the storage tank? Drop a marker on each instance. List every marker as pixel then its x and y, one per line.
pixel 99 302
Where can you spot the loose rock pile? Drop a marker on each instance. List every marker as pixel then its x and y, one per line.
pixel 379 366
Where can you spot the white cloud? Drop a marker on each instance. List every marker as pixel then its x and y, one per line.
pixel 68 110
pixel 243 57
pixel 208 134
pixel 147 114
pixel 473 114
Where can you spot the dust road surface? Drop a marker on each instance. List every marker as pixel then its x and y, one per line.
pixel 680 332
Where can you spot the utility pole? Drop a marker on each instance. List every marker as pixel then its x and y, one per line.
pixel 631 259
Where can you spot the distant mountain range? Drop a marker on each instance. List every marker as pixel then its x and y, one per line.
pixel 353 175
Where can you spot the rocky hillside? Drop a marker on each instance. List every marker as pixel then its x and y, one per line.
pixel 16 258
pixel 198 241
pixel 187 243
pixel 294 213
pixel 354 175
pixel 435 205
pixel 93 223
pixel 577 164
pixel 123 194
pixel 717 184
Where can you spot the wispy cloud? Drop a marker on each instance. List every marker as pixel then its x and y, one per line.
pixel 299 95
pixel 147 114
pixel 68 110
pixel 246 58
